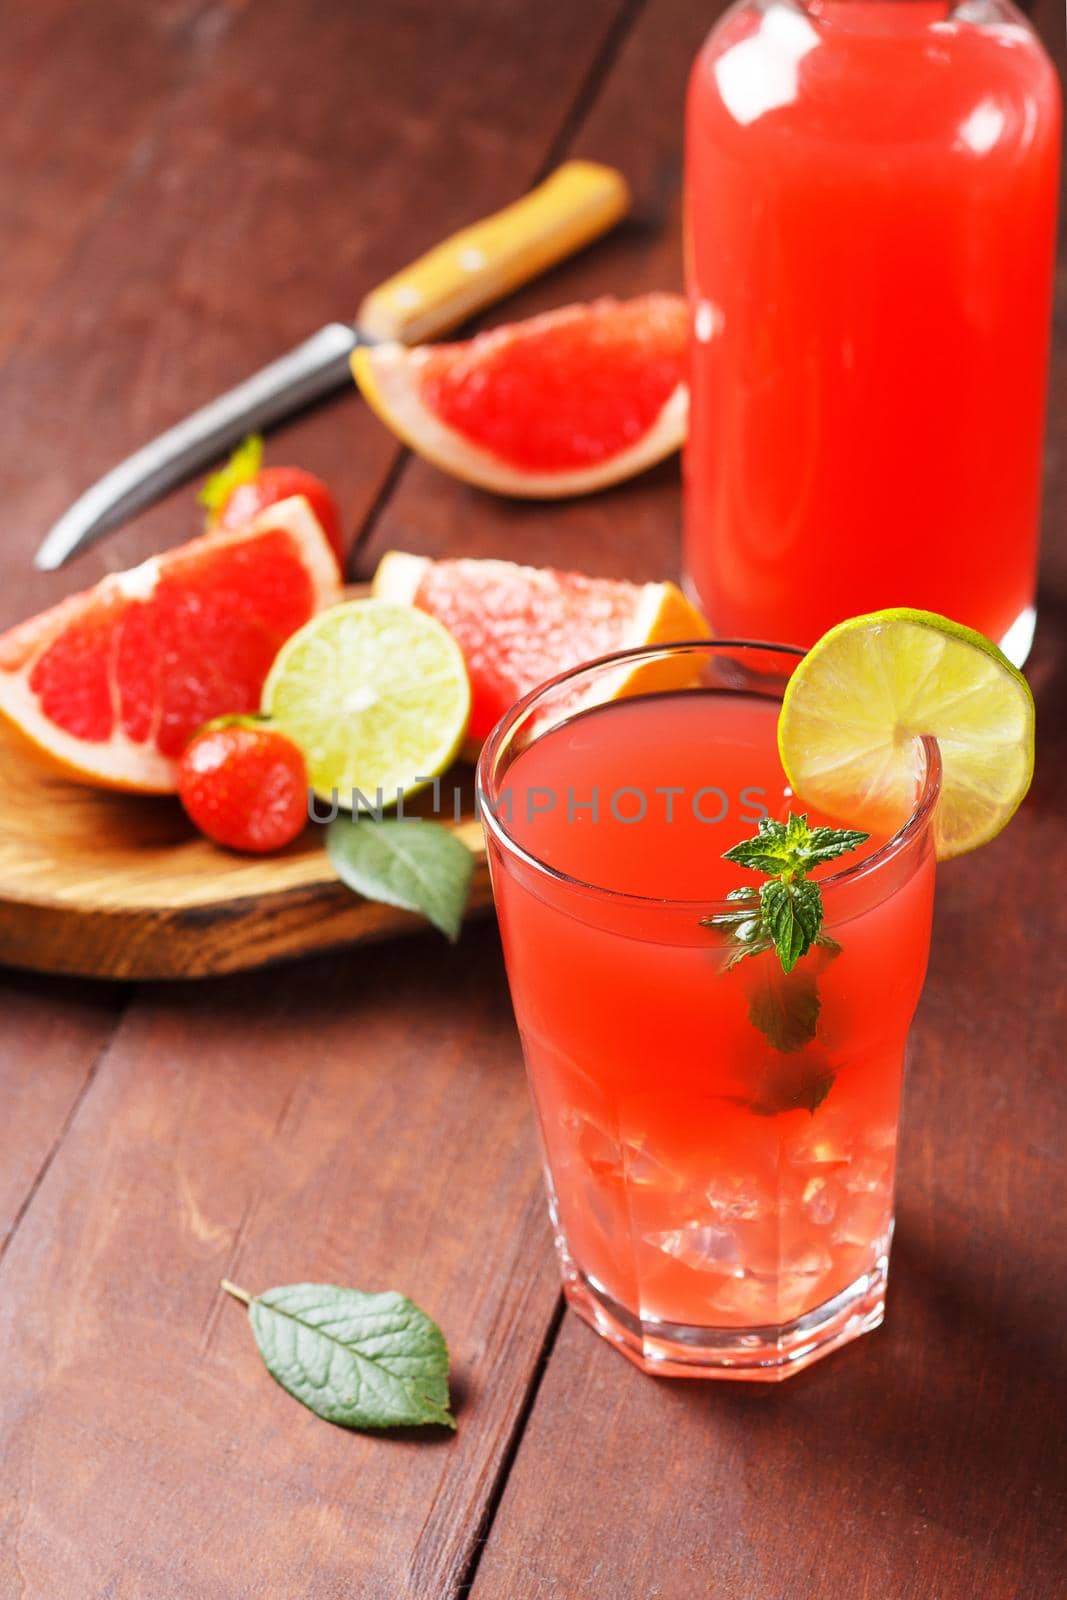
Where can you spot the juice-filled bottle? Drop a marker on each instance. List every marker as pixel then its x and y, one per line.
pixel 870 228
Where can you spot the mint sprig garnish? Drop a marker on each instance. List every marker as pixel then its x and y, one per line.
pixel 784 916
pixel 360 1360
pixel 786 913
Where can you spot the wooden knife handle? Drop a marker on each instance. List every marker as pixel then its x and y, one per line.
pixel 480 264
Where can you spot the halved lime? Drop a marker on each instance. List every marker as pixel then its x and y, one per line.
pixel 859 699
pixel 375 694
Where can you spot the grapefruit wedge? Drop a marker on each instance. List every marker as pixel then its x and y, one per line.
pixel 562 404
pixel 518 626
pixel 111 684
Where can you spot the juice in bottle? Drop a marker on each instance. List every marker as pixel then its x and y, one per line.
pixel 870 219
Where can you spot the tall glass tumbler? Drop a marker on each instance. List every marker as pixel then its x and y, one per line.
pixel 719 1138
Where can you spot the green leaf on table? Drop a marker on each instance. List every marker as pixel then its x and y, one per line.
pixel 414 865
pixel 360 1360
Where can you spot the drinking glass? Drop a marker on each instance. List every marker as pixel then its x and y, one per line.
pixel 719 1137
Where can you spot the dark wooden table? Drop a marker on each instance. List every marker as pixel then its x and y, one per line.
pixel 190 186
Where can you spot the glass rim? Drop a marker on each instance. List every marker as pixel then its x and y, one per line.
pixel 913 824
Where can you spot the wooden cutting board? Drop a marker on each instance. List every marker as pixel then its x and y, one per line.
pixel 121 886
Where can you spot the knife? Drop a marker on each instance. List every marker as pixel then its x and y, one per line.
pixel 476 266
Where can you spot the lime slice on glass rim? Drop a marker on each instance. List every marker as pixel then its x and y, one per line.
pixel 376 695
pixel 869 688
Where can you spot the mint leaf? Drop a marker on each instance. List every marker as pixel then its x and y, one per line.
pixel 792 1085
pixel 785 1007
pixel 418 866
pixel 792 915
pixel 759 858
pixel 792 846
pixel 796 828
pixel 770 851
pixel 360 1360
pixel 818 1087
pixel 826 844
pixel 735 919
pixel 787 920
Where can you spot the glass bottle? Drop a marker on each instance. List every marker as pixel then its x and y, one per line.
pixel 870 224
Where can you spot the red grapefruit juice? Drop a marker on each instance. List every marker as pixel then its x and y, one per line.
pixel 870 218
pixel 709 1176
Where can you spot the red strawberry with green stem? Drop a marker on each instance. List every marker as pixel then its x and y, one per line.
pixel 244 487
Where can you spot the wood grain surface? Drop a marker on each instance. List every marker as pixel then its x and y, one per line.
pixel 925 1462
pixel 243 173
pixel 318 1128
pixel 294 157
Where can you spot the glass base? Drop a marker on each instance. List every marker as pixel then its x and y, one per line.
pixel 761 1355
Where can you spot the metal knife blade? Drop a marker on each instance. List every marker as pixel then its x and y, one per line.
pixel 476 266
pixel 313 369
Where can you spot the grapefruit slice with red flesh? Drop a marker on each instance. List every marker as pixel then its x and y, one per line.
pixel 518 626
pixel 562 404
pixel 112 683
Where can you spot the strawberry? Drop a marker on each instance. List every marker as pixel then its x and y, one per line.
pixel 244 785
pixel 244 487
